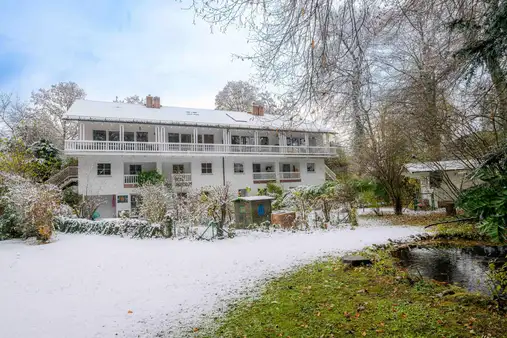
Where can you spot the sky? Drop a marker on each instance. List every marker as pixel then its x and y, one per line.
pixel 117 48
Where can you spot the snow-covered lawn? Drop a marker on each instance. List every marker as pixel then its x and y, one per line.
pixel 85 286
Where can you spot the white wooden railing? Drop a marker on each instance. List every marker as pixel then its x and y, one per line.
pixel 293 175
pixel 264 176
pixel 80 146
pixel 181 180
pixel 130 179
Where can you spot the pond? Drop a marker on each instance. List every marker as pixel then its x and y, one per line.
pixel 466 266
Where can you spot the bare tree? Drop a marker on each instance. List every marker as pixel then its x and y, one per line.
pixel 384 153
pixel 236 96
pixel 51 104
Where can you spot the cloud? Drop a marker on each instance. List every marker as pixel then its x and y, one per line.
pixel 117 48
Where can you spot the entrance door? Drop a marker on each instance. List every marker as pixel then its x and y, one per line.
pixel 286 170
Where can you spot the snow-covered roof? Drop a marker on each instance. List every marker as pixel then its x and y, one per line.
pixel 87 110
pixel 254 198
pixel 440 165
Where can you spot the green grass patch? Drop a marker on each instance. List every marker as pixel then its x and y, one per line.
pixel 326 299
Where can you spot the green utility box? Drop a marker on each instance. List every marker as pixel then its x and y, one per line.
pixel 252 210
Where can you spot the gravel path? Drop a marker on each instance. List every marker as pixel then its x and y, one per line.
pixel 98 286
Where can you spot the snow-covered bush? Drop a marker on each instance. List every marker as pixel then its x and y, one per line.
pixel 34 204
pixel 156 201
pixel 189 212
pixel 218 202
pixel 133 228
pixel 87 206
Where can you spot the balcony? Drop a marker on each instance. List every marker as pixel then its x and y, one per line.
pixel 177 180
pixel 283 177
pixel 264 177
pixel 80 147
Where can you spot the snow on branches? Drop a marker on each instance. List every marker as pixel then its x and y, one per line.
pixel 34 204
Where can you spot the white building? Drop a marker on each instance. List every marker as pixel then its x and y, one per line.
pixel 192 148
pixel 441 181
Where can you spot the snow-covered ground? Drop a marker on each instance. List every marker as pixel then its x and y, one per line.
pixel 98 286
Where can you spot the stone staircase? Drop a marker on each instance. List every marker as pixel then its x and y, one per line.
pixel 64 177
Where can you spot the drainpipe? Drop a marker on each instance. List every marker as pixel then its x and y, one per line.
pixel 223 170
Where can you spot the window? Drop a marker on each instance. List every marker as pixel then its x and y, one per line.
pixel 207 138
pixel 310 167
pixel 178 168
pixel 238 168
pixel 264 141
pixel 173 138
pixel 104 169
pixel 206 168
pixel 99 135
pixel 435 179
pixel 234 139
pixel 114 136
pixel 128 136
pixel 142 136
pixel 135 169
pixel 245 140
pixel 256 167
pixel 186 138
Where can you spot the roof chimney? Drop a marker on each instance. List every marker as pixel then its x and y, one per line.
pixel 149 101
pixel 257 110
pixel 156 102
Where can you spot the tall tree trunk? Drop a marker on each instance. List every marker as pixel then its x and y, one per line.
pixel 500 83
pixel 398 207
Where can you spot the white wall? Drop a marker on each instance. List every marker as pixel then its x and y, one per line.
pixel 91 184
pixel 458 179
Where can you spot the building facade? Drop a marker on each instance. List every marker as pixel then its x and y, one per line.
pixel 191 148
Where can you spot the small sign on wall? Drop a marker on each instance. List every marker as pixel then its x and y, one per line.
pixel 123 198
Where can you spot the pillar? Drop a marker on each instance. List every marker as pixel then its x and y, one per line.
pixel 159 167
pixel 162 136
pixel 122 133
pixel 256 137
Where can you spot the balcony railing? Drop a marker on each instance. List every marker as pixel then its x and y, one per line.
pixel 80 146
pixel 130 179
pixel 264 176
pixel 290 176
pixel 181 180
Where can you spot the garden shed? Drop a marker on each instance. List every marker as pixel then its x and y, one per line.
pixel 252 210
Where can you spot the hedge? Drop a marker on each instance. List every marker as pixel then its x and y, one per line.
pixel 132 228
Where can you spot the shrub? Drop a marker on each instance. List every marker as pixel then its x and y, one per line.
pixel 488 201
pixel 275 190
pixel 156 200
pixel 150 177
pixel 71 197
pixel 33 204
pixel 9 221
pixel 87 206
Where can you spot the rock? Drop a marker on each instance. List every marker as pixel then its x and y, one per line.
pixel 445 293
pixel 356 260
